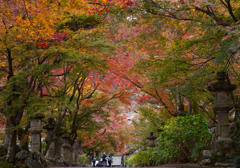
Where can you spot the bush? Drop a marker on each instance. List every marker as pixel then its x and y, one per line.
pixel 83 159
pixel 183 139
pixel 237 161
pixel 143 158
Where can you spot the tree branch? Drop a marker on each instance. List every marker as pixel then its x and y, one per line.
pixel 231 11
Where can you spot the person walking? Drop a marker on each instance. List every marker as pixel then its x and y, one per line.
pixel 104 159
pixel 94 159
pixel 109 161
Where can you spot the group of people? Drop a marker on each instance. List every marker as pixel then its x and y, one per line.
pixel 105 159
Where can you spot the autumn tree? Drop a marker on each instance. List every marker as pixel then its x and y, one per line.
pixel 43 46
pixel 178 46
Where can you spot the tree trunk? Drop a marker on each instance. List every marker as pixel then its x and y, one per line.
pixel 12 147
pixel 7 133
pixel 189 107
pixel 23 137
pixel 236 113
pixel 24 142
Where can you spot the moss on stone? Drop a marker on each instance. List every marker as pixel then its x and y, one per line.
pixel 10 165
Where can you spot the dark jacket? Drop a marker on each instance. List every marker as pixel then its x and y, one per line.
pixel 104 157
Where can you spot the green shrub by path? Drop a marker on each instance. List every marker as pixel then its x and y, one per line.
pixel 10 165
pixel 147 157
pixel 83 159
pixel 183 139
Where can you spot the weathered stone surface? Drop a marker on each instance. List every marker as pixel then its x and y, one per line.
pixel 66 147
pixel 223 164
pixel 152 140
pixel 224 151
pixel 223 103
pixel 221 147
pixel 224 148
pixel 207 154
pixel 35 129
pixel 205 162
pixel 22 155
pixel 58 144
pixel 37 160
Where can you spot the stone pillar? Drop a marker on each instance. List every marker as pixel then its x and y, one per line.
pixel 36 129
pixel 76 152
pixel 152 140
pixel 50 127
pixel 58 144
pixel 65 147
pixel 223 103
pixel 71 153
pixel 223 149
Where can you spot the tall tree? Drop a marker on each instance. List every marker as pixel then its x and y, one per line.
pixel 43 45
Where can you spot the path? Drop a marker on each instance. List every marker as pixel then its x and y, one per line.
pixel 161 166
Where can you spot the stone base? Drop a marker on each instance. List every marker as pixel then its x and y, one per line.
pixel 205 162
pixel 37 160
pixel 224 151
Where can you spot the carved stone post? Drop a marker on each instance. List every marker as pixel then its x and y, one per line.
pixel 76 152
pixel 152 140
pixel 36 129
pixel 65 147
pixel 58 145
pixel 223 103
pixel 71 152
pixel 223 147
pixel 50 127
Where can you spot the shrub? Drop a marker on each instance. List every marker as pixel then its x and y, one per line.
pixel 237 161
pixel 183 138
pixel 83 159
pixel 143 158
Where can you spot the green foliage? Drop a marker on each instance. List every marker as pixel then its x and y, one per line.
pixel 183 138
pixel 83 159
pixel 143 158
pixel 150 120
pixel 111 154
pixel 237 161
pixel 77 22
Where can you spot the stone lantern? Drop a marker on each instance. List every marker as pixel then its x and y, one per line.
pixel 66 147
pixel 223 104
pixel 36 129
pixel 50 127
pixel 223 149
pixel 58 144
pixel 152 140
